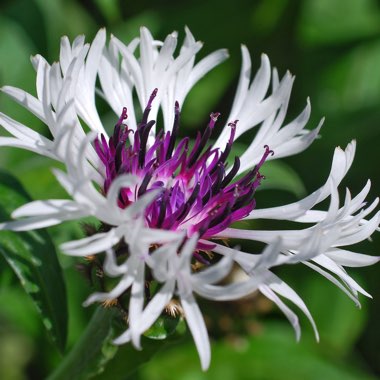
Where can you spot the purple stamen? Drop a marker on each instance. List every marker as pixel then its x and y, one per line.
pixel 213 119
pixel 198 193
pixel 123 117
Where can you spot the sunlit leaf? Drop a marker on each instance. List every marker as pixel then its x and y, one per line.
pixel 280 176
pixel 56 15
pixel 109 9
pixel 15 46
pixel 16 351
pixel 352 82
pixel 339 322
pixel 203 98
pixel 337 21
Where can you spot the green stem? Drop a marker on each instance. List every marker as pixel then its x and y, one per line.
pixel 81 358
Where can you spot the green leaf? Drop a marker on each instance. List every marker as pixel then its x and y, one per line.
pixel 203 97
pixel 55 15
pixel 128 360
pixel 91 351
pixel 280 176
pixel 162 328
pixel 337 21
pixel 267 14
pixel 339 322
pixel 96 357
pixel 33 258
pixel 26 169
pixel 15 46
pixel 110 9
pixel 357 69
pixel 272 354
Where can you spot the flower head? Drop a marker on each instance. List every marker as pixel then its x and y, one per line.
pixel 166 206
pixel 195 193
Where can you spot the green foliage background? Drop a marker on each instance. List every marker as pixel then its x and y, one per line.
pixel 333 46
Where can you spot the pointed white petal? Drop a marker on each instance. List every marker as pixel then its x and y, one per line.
pixel 136 304
pixel 48 207
pixel 198 329
pixel 351 259
pixel 93 244
pixel 216 272
pixel 292 317
pixel 28 101
pixel 284 290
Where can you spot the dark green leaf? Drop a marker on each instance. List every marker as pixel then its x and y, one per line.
pixel 128 360
pixel 267 15
pixel 96 357
pixel 33 258
pixel 91 351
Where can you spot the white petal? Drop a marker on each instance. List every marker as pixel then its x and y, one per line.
pixel 292 317
pixel 28 145
pixel 22 132
pixel 26 100
pixel 124 283
pixel 198 329
pixel 232 291
pixel 93 244
pixel 329 264
pixel 136 304
pixel 351 259
pixel 216 272
pixel 334 281
pixel 40 221
pixel 156 306
pixel 48 207
pixel 342 161
pixel 204 66
pixel 284 290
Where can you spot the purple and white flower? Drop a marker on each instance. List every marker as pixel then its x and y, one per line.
pixel 168 204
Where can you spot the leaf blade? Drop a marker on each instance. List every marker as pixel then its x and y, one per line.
pixel 33 258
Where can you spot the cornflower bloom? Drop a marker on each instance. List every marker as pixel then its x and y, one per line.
pixel 166 207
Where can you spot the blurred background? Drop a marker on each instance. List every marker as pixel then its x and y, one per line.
pixel 333 48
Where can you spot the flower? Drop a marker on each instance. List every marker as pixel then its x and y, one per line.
pixel 165 207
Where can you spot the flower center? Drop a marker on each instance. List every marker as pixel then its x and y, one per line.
pixel 197 193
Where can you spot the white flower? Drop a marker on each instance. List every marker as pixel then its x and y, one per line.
pixel 164 207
